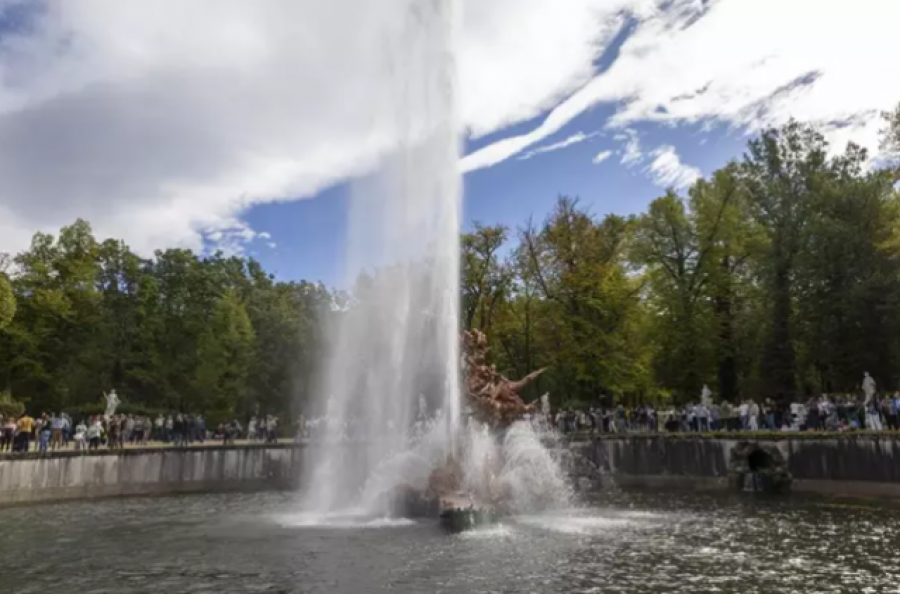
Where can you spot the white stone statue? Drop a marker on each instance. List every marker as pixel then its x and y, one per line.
pixel 112 401
pixel 706 396
pixel 868 387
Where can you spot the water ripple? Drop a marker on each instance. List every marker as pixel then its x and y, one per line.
pixel 630 544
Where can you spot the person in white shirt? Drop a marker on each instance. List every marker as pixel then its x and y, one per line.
pixel 94 433
pixel 753 416
pixel 80 436
pixel 744 413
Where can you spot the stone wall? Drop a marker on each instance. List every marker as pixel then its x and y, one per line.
pixel 863 465
pixel 32 478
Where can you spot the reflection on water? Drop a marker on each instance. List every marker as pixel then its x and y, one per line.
pixel 628 543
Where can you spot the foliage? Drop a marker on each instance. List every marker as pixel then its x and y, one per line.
pixel 890 135
pixel 778 276
pixel 7 302
pixel 10 407
pixel 177 332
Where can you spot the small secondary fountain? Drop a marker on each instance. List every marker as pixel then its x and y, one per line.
pixel 391 381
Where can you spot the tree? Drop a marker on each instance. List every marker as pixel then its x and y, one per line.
pixel 777 275
pixel 890 135
pixel 848 276
pixel 677 265
pixel 225 354
pixel 732 244
pixel 781 173
pixel 7 302
pixel 484 278
pixel 590 310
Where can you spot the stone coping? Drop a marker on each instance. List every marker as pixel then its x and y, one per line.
pixel 579 437
pixel 741 436
pixel 139 451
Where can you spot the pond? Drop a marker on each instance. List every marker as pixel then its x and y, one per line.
pixel 624 543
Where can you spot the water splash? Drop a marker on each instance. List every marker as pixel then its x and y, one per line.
pixel 531 473
pixel 390 394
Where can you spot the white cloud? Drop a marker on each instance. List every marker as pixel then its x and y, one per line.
pixel 667 170
pixel 162 121
pixel 632 154
pixel 746 63
pixel 549 148
pixel 264 235
pixel 601 157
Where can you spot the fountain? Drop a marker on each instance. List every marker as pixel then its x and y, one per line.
pixel 392 376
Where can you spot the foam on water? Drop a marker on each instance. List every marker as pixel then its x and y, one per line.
pixel 587 521
pixel 497 532
pixel 340 521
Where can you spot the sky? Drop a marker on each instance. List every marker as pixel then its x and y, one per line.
pixel 245 126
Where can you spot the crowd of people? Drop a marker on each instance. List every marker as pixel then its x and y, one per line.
pixel 52 431
pixel 834 413
pixel 49 432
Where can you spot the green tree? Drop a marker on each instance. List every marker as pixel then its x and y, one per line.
pixel 848 277
pixel 781 173
pixel 732 244
pixel 485 279
pixel 590 311
pixel 7 302
pixel 225 354
pixel 668 244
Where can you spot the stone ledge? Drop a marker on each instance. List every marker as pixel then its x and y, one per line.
pixel 132 451
pixel 739 436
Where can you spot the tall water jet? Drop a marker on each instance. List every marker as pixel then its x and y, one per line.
pixel 397 344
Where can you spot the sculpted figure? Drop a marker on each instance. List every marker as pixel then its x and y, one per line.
pixel 112 402
pixel 868 386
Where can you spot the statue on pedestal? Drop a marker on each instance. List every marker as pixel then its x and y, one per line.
pixel 112 401
pixel 868 387
pixel 706 396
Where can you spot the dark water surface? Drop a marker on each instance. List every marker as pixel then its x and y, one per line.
pixel 627 543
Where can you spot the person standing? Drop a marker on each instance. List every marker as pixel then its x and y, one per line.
pixel 66 429
pixel 873 415
pixel 753 418
pixel 24 428
pixel 94 433
pixel 252 428
pixel 80 437
pixel 158 427
pixel 7 433
pixel 744 414
pixel 895 411
pixel 114 434
pixel 56 432
pixel 178 431
pixel 272 429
